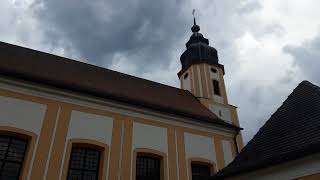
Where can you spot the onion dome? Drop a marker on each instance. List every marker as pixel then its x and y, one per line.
pixel 198 51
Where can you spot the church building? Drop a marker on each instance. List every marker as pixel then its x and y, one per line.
pixel 64 119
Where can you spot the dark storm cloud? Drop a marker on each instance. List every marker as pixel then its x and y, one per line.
pixel 150 34
pixel 99 29
pixel 307 58
pixel 144 32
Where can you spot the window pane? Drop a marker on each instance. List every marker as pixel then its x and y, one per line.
pixel 90 175
pixel 4 144
pixel 11 170
pixel 12 153
pixel 74 175
pixel 77 158
pixel 92 160
pixel 147 168
pixel 16 150
pixel 84 164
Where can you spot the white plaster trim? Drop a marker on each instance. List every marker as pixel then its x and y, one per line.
pixel 142 133
pixel 198 146
pixel 121 146
pixel 194 88
pixel 51 144
pixel 206 78
pixel 227 152
pixel 131 164
pixel 186 81
pixel 200 81
pixel 177 154
pixel 108 163
pixel 187 170
pixel 63 157
pixel 33 157
pixel 22 114
pixel 168 173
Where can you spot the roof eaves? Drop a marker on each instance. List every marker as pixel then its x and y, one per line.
pixel 271 162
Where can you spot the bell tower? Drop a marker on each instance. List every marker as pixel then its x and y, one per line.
pixel 203 76
pixel 201 73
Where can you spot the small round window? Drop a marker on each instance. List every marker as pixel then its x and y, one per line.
pixel 213 70
pixel 186 76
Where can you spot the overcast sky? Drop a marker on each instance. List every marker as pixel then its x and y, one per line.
pixel 267 46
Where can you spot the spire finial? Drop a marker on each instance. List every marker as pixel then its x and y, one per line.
pixel 194 17
pixel 195 28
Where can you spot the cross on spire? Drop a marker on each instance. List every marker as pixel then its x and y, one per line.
pixel 194 17
pixel 195 28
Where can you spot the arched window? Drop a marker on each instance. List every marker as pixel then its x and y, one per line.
pixel 213 70
pixel 148 168
pixel 84 163
pixel 216 87
pixel 149 165
pixel 12 155
pixel 201 171
pixel 186 76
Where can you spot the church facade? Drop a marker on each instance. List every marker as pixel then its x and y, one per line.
pixel 63 119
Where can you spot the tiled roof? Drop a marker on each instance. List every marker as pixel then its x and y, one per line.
pixel 59 72
pixel 292 132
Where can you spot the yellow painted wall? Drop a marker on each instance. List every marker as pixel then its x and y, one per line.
pixel 201 81
pixel 50 166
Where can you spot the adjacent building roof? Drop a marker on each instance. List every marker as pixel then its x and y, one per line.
pixel 292 132
pixel 59 72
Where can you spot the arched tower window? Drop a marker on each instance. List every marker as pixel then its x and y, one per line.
pixel 12 155
pixel 84 163
pixel 213 70
pixel 216 87
pixel 186 76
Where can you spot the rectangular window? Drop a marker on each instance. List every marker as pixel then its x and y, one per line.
pixel 84 164
pixel 12 154
pixel 216 87
pixel 147 168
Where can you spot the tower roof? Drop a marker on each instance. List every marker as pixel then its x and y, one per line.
pixel 198 51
